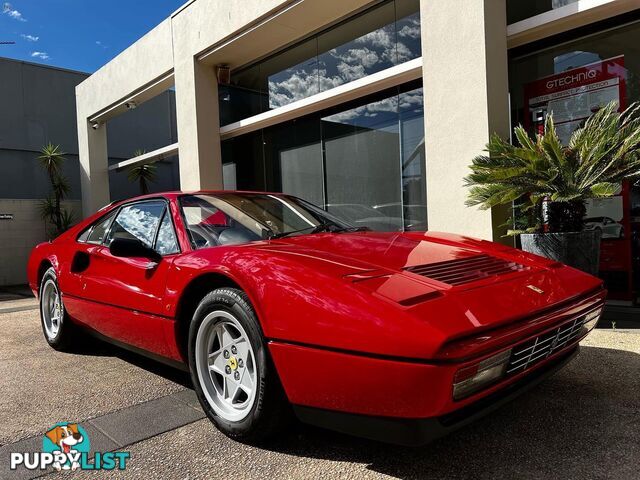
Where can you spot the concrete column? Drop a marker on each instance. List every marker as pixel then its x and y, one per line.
pixel 94 164
pixel 465 71
pixel 198 122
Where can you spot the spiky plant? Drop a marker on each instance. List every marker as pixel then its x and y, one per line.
pixel 52 158
pixel 143 174
pixel 599 156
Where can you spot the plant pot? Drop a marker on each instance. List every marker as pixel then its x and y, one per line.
pixel 580 250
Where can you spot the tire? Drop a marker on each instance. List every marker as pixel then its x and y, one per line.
pixel 59 333
pixel 225 316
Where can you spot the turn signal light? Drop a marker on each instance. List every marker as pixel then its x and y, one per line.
pixel 469 380
pixel 591 319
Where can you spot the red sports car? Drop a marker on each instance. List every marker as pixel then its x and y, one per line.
pixel 277 307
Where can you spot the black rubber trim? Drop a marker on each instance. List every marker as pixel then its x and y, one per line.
pixel 358 353
pixel 419 431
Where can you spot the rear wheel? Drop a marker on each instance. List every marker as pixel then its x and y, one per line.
pixel 232 373
pixel 58 330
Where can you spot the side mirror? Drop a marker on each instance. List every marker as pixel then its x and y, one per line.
pixel 131 247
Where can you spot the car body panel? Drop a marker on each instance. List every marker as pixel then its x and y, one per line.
pixel 338 308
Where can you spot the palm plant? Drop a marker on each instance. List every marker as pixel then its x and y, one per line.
pixel 52 158
pixel 599 156
pixel 143 174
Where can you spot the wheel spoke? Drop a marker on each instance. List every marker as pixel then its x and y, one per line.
pixel 225 388
pixel 234 395
pixel 217 362
pixel 225 337
pixel 246 382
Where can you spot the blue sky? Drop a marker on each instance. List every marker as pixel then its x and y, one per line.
pixel 77 34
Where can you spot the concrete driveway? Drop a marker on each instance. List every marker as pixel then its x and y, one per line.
pixel 583 423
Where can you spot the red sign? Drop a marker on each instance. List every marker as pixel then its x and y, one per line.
pixel 574 95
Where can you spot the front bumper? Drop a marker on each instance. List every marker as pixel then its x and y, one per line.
pixel 419 431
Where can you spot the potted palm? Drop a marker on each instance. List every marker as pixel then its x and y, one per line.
pixel 550 182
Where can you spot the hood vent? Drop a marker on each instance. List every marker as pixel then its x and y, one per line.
pixel 467 270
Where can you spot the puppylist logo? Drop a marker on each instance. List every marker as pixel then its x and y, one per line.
pixel 66 446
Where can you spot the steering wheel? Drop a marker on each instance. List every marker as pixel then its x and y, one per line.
pixel 201 237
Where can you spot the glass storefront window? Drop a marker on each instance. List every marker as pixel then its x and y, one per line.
pixel 243 163
pixel 241 99
pixel 521 9
pixel 379 38
pixel 408 30
pixel 571 81
pixel 290 76
pixel 413 157
pixel 362 158
pixel 363 46
pixel 363 161
pixel 293 159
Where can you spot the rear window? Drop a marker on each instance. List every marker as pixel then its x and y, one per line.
pixel 96 233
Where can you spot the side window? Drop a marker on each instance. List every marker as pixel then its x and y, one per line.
pixel 138 221
pixel 99 230
pixel 166 243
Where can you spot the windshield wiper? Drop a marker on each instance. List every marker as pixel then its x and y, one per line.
pixel 323 227
pixel 350 229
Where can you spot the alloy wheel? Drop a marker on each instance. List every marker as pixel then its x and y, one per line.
pixel 226 366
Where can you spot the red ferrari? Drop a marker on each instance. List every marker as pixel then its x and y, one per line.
pixel 278 307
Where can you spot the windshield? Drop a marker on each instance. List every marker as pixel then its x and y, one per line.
pixel 236 218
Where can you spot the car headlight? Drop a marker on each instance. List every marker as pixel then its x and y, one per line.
pixel 591 319
pixel 470 379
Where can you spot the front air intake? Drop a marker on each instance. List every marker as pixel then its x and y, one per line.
pixel 467 270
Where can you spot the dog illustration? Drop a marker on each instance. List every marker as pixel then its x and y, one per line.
pixel 65 437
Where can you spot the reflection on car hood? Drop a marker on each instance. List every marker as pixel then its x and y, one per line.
pixel 393 251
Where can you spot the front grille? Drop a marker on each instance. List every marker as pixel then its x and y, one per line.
pixel 527 354
pixel 466 270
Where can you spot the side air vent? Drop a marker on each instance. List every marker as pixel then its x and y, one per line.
pixel 467 270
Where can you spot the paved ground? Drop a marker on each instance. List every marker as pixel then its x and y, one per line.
pixel 583 423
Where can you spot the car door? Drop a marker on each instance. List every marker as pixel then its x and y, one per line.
pixel 127 294
pixel 86 244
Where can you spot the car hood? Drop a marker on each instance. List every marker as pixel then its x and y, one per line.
pixel 396 251
pixel 391 267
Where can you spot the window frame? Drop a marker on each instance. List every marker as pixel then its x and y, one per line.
pixel 116 211
pixel 90 228
pixel 165 212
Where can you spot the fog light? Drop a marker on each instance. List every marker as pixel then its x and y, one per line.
pixel 591 319
pixel 470 379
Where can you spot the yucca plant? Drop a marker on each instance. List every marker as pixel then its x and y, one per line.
pixel 598 158
pixel 52 158
pixel 143 174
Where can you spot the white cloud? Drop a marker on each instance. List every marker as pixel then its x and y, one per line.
pixel 7 9
pixel 100 44
pixel 411 28
pixel 40 55
pixel 30 38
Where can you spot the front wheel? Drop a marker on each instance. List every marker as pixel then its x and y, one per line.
pixel 232 373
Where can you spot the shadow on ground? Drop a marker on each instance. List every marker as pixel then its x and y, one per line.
pixel 96 347
pixel 582 423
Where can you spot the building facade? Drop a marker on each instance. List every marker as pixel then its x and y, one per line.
pixel 38 107
pixel 372 110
